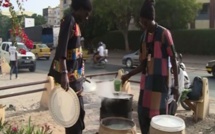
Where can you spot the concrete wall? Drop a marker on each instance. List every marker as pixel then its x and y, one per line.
pixel 202 24
pixel 203 20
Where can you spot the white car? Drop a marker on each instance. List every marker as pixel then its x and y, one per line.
pixel 27 60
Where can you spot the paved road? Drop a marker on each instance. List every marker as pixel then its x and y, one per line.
pixel 193 69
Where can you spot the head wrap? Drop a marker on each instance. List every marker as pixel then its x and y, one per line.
pixel 85 4
pixel 148 10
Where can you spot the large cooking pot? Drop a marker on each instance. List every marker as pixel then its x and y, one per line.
pixel 118 106
pixel 117 125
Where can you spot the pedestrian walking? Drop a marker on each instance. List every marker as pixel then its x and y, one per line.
pixel 13 61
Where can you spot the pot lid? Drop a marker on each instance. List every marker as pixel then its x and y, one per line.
pixel 89 86
pixel 168 123
pixel 64 106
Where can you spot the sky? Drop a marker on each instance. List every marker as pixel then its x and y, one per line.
pixel 35 6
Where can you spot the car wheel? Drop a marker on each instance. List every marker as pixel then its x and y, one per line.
pixel 213 71
pixel 32 69
pixel 129 63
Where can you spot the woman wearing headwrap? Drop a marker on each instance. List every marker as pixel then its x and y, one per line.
pixel 156 46
pixel 67 67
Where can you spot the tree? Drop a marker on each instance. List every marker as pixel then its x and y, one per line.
pixel 16 28
pixel 176 14
pixel 5 25
pixel 95 26
pixel 117 12
pixel 39 19
pixel 66 12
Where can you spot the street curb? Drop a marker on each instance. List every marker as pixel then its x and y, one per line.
pixel 196 69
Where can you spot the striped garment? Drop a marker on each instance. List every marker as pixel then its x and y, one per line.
pixel 155 49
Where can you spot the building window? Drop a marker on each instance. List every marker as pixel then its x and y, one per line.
pixel 205 8
pixel 64 1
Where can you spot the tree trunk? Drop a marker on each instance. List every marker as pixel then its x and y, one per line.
pixel 125 35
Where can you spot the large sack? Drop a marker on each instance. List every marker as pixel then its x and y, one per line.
pixel 5 67
pixel 196 87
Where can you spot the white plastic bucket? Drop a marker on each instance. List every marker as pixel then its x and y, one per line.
pixel 167 124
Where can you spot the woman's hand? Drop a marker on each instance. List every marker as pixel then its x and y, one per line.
pixel 124 78
pixel 65 81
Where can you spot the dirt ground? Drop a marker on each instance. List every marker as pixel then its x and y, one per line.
pixel 92 104
pixel 40 117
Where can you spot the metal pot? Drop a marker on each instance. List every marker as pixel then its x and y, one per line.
pixel 119 106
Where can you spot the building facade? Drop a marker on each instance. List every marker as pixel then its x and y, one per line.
pixel 205 17
pixel 64 4
pixel 52 15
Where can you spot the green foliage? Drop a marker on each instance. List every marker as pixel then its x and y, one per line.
pixel 5 128
pixel 39 19
pixel 117 13
pixel 95 26
pixel 173 14
pixel 5 25
pixel 184 94
pixel 67 12
pixel 113 40
pixel 200 42
pixel 2 124
pixel 176 14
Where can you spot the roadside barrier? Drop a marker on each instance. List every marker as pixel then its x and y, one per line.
pixel 201 107
pixel 43 82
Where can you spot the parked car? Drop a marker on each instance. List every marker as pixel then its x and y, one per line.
pixel 27 60
pixel 131 60
pixel 210 67
pixel 41 51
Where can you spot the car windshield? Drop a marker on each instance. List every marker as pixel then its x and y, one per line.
pixel 21 46
pixel 42 46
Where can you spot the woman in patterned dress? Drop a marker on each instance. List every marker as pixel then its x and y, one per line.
pixel 156 46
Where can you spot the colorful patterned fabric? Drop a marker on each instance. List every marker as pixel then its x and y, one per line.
pixel 75 64
pixel 74 55
pixel 155 50
pixel 69 48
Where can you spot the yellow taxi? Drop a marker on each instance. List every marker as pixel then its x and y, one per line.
pixel 84 50
pixel 85 54
pixel 41 51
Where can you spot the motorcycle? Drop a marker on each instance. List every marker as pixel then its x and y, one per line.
pixel 187 83
pixel 102 61
pixel 184 83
